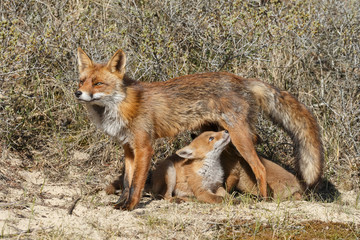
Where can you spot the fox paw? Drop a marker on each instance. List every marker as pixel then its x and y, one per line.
pixel 121 202
pixel 125 205
pixel 127 200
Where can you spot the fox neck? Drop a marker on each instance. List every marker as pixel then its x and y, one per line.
pixel 108 118
pixel 211 172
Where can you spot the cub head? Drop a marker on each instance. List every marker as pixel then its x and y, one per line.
pixel 206 145
pixel 101 83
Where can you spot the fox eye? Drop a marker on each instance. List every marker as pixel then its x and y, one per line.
pixel 98 84
pixel 211 138
pixel 81 82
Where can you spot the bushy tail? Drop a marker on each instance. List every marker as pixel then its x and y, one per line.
pixel 299 123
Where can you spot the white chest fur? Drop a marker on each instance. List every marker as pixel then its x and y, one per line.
pixel 212 173
pixel 108 119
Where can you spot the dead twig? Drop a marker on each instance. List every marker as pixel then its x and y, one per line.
pixel 72 207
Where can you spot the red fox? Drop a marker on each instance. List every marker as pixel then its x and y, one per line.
pixel 195 170
pixel 136 113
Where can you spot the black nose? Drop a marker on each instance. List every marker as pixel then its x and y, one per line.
pixel 78 94
pixel 226 131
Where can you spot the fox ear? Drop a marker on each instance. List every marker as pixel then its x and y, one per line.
pixel 117 62
pixel 84 60
pixel 185 152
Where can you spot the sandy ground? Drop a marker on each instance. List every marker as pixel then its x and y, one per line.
pixel 35 207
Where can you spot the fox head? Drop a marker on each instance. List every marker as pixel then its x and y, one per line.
pixel 206 145
pixel 101 83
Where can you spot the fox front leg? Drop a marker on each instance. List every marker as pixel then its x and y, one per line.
pixel 136 171
pixel 129 162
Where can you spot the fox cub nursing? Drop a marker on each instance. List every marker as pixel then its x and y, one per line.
pixel 201 169
pixel 195 170
pixel 207 165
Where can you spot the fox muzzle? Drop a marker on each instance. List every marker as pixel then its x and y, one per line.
pixel 78 94
pixel 84 96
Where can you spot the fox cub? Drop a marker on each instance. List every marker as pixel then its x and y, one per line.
pixel 195 170
pixel 203 168
pixel 238 176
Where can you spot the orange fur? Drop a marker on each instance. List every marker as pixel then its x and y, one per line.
pixel 195 172
pixel 136 113
pixel 177 178
pixel 239 176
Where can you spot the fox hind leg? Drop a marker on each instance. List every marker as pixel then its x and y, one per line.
pixel 241 137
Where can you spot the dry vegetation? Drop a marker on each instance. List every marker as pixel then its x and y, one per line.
pixel 310 48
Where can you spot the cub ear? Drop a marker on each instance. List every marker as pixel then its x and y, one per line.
pixel 117 62
pixel 84 61
pixel 185 152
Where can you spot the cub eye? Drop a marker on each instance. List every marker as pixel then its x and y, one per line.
pixel 211 138
pixel 81 82
pixel 98 84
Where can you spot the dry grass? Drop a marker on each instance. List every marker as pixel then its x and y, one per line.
pixel 310 48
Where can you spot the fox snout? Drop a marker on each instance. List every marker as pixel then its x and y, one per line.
pixel 226 136
pixel 78 94
pixel 87 97
pixel 225 139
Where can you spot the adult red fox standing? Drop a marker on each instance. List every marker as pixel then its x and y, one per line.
pixel 136 113
pixel 195 170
